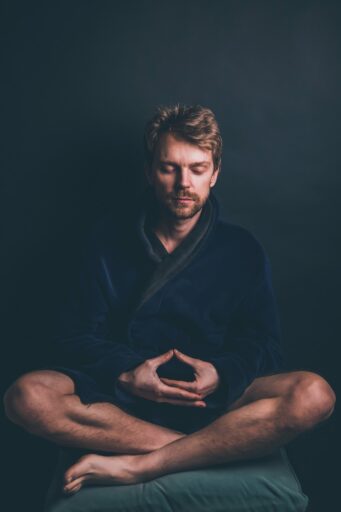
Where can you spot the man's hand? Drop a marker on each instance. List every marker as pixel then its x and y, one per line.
pixel 144 381
pixel 206 376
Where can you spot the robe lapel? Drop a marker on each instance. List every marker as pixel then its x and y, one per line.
pixel 170 266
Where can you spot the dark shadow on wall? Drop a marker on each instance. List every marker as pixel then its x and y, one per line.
pixel 85 180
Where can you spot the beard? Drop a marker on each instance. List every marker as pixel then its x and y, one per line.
pixel 177 210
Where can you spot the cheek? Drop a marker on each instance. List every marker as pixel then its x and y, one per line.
pixel 163 186
pixel 203 184
pixel 159 181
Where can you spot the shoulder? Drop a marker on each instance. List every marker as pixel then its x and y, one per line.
pixel 239 244
pixel 234 235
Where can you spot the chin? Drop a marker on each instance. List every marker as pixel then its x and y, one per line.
pixel 185 212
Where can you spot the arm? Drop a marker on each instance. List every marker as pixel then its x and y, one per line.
pixel 253 347
pixel 79 336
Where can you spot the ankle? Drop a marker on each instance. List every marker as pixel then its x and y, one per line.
pixel 169 437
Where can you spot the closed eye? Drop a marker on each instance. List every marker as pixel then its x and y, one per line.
pixel 166 169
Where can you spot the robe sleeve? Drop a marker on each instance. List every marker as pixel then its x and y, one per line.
pixel 79 339
pixel 253 341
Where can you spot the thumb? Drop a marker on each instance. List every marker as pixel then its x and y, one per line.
pixel 163 358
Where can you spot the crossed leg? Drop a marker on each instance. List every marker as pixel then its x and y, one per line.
pixel 271 412
pixel 45 404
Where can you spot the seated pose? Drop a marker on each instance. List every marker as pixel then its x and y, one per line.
pixel 169 348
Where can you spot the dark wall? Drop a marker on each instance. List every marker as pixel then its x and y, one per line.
pixel 81 78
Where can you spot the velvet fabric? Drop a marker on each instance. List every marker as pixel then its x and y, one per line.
pixel 212 298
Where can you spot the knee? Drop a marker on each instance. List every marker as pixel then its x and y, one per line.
pixel 26 402
pixel 311 400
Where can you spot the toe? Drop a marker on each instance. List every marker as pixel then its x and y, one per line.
pixel 72 491
pixel 78 469
pixel 76 489
pixel 74 486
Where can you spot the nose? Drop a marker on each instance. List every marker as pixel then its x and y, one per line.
pixel 183 178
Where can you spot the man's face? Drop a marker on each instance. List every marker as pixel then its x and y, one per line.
pixel 181 175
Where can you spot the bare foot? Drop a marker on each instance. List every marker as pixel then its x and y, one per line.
pixel 95 469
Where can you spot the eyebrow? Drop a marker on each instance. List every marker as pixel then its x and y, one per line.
pixel 204 163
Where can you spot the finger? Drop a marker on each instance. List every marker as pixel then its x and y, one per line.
pixel 163 358
pixel 189 386
pixel 185 358
pixel 172 392
pixel 185 403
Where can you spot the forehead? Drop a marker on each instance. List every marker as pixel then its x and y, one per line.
pixel 172 148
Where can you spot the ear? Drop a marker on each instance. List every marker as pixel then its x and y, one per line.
pixel 214 177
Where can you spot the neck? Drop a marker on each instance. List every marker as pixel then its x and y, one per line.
pixel 171 232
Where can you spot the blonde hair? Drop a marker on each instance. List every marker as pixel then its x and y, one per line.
pixel 192 123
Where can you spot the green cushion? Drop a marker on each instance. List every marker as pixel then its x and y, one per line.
pixel 259 485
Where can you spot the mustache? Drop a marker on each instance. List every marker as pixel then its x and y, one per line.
pixel 181 196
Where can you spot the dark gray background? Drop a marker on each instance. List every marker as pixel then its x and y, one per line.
pixel 81 79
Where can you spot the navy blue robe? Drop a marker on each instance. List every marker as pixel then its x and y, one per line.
pixel 211 298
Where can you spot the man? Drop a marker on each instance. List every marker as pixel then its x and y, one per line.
pixel 170 340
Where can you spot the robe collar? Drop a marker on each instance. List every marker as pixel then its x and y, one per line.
pixel 167 267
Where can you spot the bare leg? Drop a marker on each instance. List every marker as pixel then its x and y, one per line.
pixel 44 404
pixel 271 412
